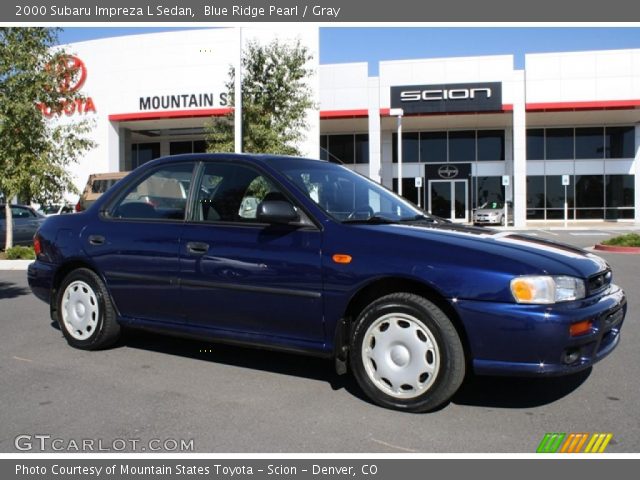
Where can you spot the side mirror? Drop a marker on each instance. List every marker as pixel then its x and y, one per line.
pixel 276 211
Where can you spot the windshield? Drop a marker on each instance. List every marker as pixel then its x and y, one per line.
pixel 491 206
pixel 347 196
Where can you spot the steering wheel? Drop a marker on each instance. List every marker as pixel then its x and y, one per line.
pixel 363 210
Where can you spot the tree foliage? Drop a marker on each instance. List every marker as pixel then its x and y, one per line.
pixel 35 151
pixel 275 100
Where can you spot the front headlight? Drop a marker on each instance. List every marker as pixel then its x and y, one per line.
pixel 544 289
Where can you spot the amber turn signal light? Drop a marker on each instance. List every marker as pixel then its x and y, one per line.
pixel 580 328
pixel 341 258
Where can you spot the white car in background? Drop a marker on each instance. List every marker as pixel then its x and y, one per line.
pixel 492 213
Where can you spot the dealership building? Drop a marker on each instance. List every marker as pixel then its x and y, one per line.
pixel 457 132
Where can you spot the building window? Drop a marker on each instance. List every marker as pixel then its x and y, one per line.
pixel 589 142
pixel 535 144
pixel 324 147
pixel 433 147
pixel 362 148
pixel 189 146
pixel 410 147
pixel 462 146
pixel 488 189
pixel 143 152
pixel 347 149
pixel 620 142
pixel 620 190
pixel 341 147
pixel 559 143
pixel 580 143
pixel 490 145
pixel 589 197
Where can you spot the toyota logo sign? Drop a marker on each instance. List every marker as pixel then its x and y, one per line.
pixel 73 72
pixel 448 171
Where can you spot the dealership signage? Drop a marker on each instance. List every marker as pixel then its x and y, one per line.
pixel 448 171
pixel 448 98
pixel 74 74
pixel 183 101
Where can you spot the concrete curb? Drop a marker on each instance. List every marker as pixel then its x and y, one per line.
pixel 616 249
pixel 14 264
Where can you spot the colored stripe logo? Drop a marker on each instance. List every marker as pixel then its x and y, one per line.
pixel 574 442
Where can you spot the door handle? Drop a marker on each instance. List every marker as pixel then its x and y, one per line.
pixel 96 239
pixel 197 248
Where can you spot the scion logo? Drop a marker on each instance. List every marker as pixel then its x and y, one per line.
pixel 73 72
pixel 446 98
pixel 446 94
pixel 448 171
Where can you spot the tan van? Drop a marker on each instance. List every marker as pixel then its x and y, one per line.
pixel 97 184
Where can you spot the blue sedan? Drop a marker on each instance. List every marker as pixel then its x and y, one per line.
pixel 309 257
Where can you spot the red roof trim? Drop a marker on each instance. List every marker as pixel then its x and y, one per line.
pixel 572 106
pixel 164 114
pixel 333 114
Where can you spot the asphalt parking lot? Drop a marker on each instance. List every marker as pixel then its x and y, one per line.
pixel 232 399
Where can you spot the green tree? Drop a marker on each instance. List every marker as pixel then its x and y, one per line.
pixel 34 150
pixel 275 100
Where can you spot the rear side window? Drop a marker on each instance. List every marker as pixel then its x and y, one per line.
pixel 19 212
pixel 162 195
pixel 101 186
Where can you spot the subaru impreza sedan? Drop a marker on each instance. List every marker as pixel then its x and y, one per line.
pixel 328 263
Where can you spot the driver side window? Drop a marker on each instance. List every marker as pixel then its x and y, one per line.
pixel 231 193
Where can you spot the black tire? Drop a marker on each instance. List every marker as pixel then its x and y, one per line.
pixel 420 315
pixel 99 326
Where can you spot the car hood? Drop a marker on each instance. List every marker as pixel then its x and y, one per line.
pixel 507 251
pixel 486 211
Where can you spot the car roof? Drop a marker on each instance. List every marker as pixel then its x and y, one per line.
pixel 278 161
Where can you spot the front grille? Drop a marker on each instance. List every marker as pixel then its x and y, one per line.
pixel 598 282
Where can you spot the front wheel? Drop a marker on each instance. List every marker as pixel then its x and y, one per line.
pixel 85 312
pixel 406 354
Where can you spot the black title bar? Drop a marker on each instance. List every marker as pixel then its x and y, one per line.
pixel 221 11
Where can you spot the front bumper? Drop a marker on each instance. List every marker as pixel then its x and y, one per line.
pixel 517 339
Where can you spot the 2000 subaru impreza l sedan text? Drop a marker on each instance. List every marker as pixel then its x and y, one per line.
pixel 310 257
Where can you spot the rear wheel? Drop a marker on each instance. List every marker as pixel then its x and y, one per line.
pixel 406 354
pixel 85 312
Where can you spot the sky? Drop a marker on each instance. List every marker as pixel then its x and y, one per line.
pixel 374 44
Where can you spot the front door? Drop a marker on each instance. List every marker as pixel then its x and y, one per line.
pixel 449 199
pixel 243 277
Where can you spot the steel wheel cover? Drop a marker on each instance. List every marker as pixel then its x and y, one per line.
pixel 80 310
pixel 400 355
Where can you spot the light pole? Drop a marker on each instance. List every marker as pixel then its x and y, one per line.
pixel 237 106
pixel 398 112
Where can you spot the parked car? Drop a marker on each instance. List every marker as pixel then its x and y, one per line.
pixel 26 222
pixel 56 209
pixel 492 213
pixel 330 264
pixel 97 184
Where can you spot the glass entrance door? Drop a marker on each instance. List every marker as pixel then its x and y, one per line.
pixel 449 199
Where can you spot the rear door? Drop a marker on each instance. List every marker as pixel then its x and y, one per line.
pixel 244 277
pixel 136 245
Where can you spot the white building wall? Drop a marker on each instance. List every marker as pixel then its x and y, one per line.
pixel 120 70
pixel 344 86
pixel 583 76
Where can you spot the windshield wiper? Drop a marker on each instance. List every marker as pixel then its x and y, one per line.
pixel 373 220
pixel 418 218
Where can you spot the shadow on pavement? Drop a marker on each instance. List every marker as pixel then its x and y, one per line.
pixel 517 392
pixel 12 290
pixel 499 392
